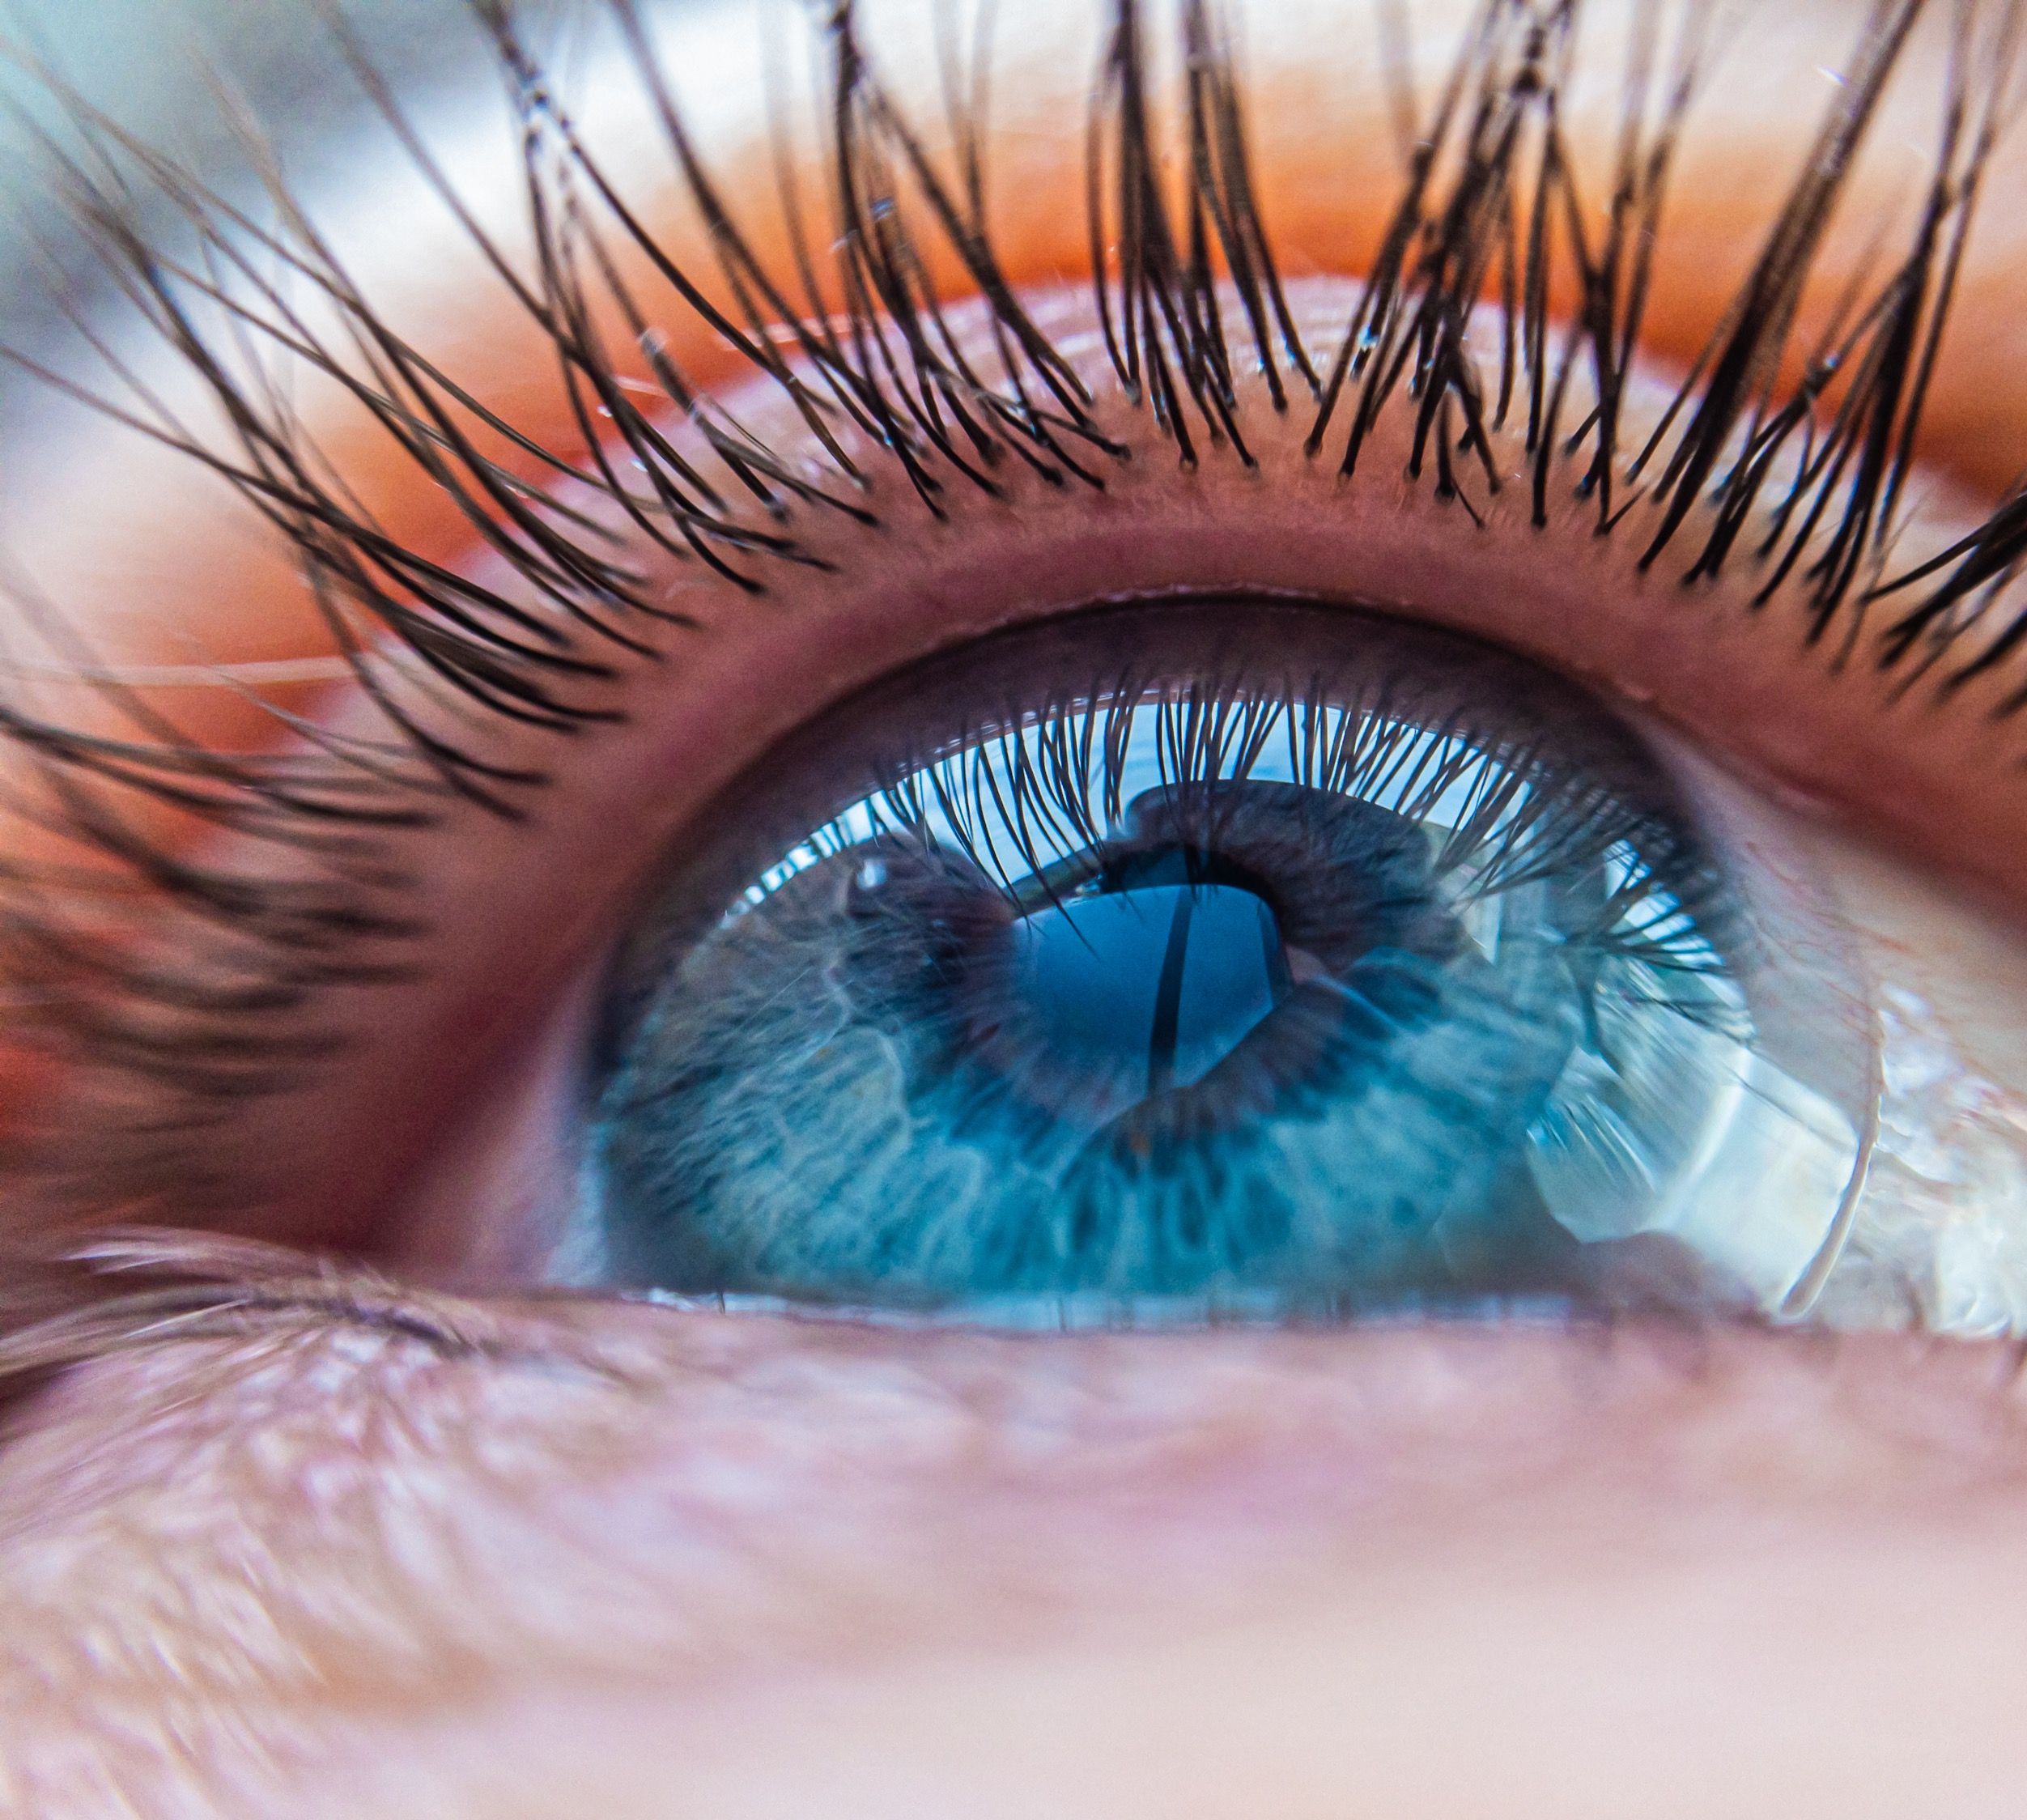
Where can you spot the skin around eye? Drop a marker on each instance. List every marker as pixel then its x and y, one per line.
pixel 519 1556
pixel 1855 742
pixel 733 1565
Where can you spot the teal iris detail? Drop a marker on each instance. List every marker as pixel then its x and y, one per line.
pixel 1373 973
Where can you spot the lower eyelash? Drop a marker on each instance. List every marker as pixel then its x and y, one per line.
pixel 1804 479
pixel 132 1288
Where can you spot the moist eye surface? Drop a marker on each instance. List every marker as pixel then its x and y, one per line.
pixel 1208 959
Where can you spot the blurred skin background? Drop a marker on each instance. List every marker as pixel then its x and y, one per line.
pixel 777 1569
pixel 151 65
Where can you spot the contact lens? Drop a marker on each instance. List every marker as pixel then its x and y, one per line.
pixel 1208 959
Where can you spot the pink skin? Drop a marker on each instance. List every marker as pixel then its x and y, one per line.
pixel 1576 1555
pixel 619 1561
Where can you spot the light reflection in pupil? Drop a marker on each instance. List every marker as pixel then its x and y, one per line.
pixel 1171 976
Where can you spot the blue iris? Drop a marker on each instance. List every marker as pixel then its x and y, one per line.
pixel 1310 995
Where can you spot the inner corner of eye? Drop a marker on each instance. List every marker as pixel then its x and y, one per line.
pixel 1224 960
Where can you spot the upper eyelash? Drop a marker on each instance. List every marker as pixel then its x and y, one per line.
pixel 1805 479
pixel 1048 779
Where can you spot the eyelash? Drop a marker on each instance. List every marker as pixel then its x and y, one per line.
pixel 1804 479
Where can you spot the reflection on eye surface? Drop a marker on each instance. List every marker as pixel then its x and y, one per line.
pixel 1211 960
pixel 994 685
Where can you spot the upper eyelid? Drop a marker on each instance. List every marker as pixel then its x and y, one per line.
pixel 1196 426
pixel 308 47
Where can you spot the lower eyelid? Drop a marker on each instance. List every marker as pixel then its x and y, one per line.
pixel 342 1509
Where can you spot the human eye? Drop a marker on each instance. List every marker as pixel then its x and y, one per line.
pixel 1344 731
